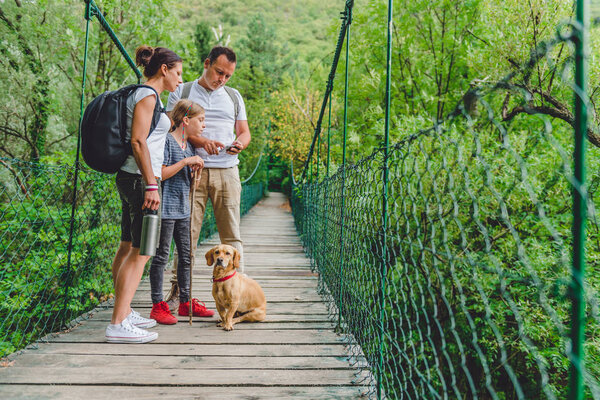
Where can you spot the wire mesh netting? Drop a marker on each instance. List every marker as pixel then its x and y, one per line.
pixel 39 292
pixel 465 291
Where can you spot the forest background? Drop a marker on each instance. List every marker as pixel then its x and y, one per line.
pixel 441 50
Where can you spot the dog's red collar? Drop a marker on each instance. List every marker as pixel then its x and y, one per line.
pixel 224 279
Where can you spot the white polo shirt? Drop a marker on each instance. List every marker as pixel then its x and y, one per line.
pixel 220 120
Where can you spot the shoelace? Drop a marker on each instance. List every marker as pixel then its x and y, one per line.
pixel 132 328
pixel 199 303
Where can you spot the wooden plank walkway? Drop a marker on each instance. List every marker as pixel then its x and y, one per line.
pixel 294 354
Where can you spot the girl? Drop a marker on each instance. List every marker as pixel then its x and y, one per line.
pixel 178 165
pixel 138 185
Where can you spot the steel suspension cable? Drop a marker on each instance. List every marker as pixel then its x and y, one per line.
pixel 95 12
pixel 346 15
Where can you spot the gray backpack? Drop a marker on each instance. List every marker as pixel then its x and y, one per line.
pixel 187 87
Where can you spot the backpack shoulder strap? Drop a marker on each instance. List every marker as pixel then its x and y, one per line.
pixel 236 102
pixel 158 110
pixel 187 88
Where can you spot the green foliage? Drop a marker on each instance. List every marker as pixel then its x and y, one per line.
pixel 279 44
pixel 42 65
pixel 39 294
pixel 204 42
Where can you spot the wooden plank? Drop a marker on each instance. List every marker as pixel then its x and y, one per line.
pixel 276 307
pixel 207 289
pixel 296 271
pixel 271 297
pixel 225 350
pixel 201 391
pixel 202 283
pixel 105 315
pixel 211 322
pixel 190 361
pixel 211 334
pixel 140 376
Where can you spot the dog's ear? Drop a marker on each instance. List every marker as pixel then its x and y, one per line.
pixel 236 259
pixel 210 258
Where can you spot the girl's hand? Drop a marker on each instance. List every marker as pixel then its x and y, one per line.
pixel 195 161
pixel 151 200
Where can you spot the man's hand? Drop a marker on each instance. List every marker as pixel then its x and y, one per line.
pixel 235 148
pixel 212 146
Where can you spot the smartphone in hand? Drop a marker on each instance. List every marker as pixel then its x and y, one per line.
pixel 227 148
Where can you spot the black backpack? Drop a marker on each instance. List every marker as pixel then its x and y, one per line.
pixel 104 145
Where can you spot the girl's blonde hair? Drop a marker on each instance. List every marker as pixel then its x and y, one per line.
pixel 185 108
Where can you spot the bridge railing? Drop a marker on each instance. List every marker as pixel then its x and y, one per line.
pixel 454 257
pixel 59 230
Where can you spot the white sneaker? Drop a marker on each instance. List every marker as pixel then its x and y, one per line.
pixel 125 332
pixel 136 319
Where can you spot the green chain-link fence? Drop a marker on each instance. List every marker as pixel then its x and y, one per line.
pixel 59 230
pixel 39 293
pixel 447 257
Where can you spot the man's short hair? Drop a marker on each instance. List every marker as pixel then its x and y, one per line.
pixel 220 50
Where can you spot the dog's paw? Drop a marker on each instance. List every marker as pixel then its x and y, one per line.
pixel 220 323
pixel 228 327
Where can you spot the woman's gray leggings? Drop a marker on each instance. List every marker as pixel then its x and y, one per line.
pixel 178 229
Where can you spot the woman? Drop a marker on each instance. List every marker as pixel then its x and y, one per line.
pixel 138 184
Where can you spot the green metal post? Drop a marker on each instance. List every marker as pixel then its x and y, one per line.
pixel 318 155
pixel 268 153
pixel 324 239
pixel 328 138
pixel 345 129
pixel 88 16
pixel 384 201
pixel 317 222
pixel 580 38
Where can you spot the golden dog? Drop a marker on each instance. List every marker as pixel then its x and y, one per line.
pixel 237 297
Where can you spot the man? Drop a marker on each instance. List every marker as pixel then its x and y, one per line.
pixel 225 136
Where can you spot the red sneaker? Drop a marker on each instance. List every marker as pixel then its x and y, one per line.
pixel 198 309
pixel 161 313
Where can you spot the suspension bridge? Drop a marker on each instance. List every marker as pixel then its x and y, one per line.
pixel 294 353
pixel 450 264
